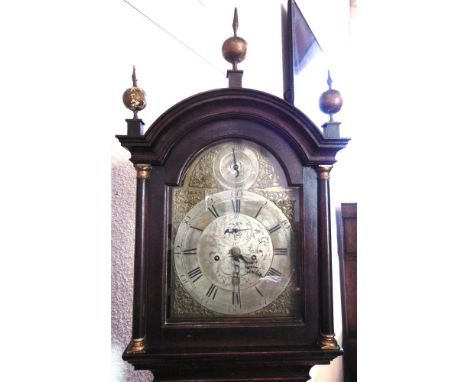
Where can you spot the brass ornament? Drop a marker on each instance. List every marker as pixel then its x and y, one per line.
pixel 137 346
pixel 324 171
pixel 267 176
pixel 285 304
pixel 283 199
pixel 134 98
pixel 234 48
pixel 183 200
pixel 328 342
pixel 201 176
pixel 185 306
pixel 143 170
pixel 330 101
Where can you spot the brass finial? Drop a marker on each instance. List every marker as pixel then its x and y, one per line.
pixel 134 98
pixel 330 101
pixel 234 48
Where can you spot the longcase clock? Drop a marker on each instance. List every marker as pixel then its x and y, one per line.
pixel 232 245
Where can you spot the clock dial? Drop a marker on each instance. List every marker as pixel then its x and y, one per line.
pixel 232 252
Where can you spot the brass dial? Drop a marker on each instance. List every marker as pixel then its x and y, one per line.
pixel 232 252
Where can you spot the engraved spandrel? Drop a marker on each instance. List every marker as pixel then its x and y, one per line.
pixel 183 200
pixel 185 306
pixel 284 199
pixel 202 175
pixel 267 176
pixel 284 305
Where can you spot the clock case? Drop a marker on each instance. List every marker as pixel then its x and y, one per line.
pixel 231 348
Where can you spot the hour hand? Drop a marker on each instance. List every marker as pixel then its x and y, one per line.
pixel 235 230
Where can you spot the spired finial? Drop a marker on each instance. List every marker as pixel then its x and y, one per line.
pixel 134 98
pixel 235 22
pixel 330 101
pixel 234 48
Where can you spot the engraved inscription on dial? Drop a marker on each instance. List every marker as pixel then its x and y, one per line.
pixel 235 240
pixel 232 252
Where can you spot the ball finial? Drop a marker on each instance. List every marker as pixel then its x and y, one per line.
pixel 234 48
pixel 330 101
pixel 134 98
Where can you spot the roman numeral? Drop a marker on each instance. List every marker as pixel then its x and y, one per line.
pixel 212 290
pixel 191 251
pixel 284 223
pixel 280 251
pixel 273 272
pixel 236 205
pixel 213 211
pixel 236 299
pixel 259 210
pixel 258 290
pixel 275 228
pixel 195 274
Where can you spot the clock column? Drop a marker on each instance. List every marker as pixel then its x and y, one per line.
pixel 327 335
pixel 134 99
pixel 139 284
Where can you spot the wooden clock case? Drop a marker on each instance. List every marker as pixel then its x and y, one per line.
pixel 231 348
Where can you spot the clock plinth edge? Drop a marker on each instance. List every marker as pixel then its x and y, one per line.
pixel 223 366
pixel 297 374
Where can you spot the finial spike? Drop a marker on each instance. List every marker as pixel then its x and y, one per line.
pixel 235 22
pixel 329 80
pixel 134 79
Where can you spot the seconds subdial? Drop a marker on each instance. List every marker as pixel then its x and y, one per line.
pixel 236 166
